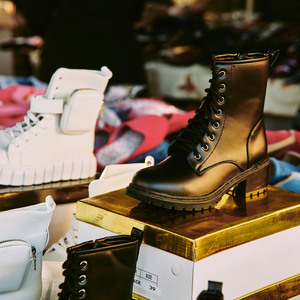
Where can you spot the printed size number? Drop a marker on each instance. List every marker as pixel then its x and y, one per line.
pixel 146 280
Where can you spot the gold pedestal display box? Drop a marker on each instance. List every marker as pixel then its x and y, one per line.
pixel 252 247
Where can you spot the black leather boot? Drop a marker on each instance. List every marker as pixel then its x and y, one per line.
pixel 213 292
pixel 222 147
pixel 103 269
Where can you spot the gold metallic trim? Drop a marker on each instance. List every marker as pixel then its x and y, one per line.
pixel 250 229
pixel 283 289
pixel 253 195
pixel 138 297
pixel 194 235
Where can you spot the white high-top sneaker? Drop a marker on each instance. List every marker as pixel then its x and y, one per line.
pixel 56 139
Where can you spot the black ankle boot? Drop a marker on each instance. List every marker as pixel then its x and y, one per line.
pixel 213 292
pixel 222 147
pixel 103 269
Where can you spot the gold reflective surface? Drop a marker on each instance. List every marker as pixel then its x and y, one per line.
pixel 284 289
pixel 138 297
pixel 61 191
pixel 195 235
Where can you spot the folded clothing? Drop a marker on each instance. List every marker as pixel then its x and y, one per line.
pixel 281 170
pixel 132 139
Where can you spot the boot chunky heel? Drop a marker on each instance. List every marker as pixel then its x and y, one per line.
pixel 223 148
pixel 255 186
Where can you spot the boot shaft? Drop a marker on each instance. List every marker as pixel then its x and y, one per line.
pixel 242 82
pixel 65 81
pixel 103 269
pixel 236 131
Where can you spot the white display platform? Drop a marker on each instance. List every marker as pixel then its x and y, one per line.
pixel 242 269
pixel 254 250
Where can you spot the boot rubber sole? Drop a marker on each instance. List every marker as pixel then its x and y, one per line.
pixel 249 184
pixel 60 169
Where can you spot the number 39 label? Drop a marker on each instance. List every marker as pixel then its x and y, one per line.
pixel 146 280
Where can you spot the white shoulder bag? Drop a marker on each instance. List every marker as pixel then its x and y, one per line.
pixel 23 237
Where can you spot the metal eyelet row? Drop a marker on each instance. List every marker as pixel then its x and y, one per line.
pixel 205 147
pixel 222 86
pixel 82 280
pixel 215 125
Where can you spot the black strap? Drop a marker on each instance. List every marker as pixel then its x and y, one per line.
pixel 137 234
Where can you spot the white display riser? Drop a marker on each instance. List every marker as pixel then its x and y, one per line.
pixel 242 269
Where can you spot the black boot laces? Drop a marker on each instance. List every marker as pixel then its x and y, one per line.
pixel 71 274
pixel 194 133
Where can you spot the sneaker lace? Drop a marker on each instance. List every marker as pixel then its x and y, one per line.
pixel 71 275
pixel 194 133
pixel 30 120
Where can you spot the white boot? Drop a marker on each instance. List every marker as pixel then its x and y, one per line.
pixel 56 139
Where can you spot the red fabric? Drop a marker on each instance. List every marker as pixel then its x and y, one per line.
pixel 277 136
pixel 178 121
pixel 296 146
pixel 153 128
pixel 15 102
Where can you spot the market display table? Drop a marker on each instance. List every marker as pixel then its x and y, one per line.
pixel 62 192
pixel 252 248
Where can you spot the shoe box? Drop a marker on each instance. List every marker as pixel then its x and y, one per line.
pixel 249 247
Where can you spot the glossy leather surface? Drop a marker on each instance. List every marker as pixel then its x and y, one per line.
pixel 106 268
pixel 237 144
pixel 176 177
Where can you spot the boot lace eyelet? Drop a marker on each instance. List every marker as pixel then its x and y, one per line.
pixel 219 113
pixel 216 125
pixel 211 137
pixel 197 157
pixel 222 73
pixel 81 294
pixel 205 147
pixel 83 264
pixel 222 87
pixel 82 278
pixel 221 100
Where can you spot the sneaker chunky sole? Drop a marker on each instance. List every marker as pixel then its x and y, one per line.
pixel 63 168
